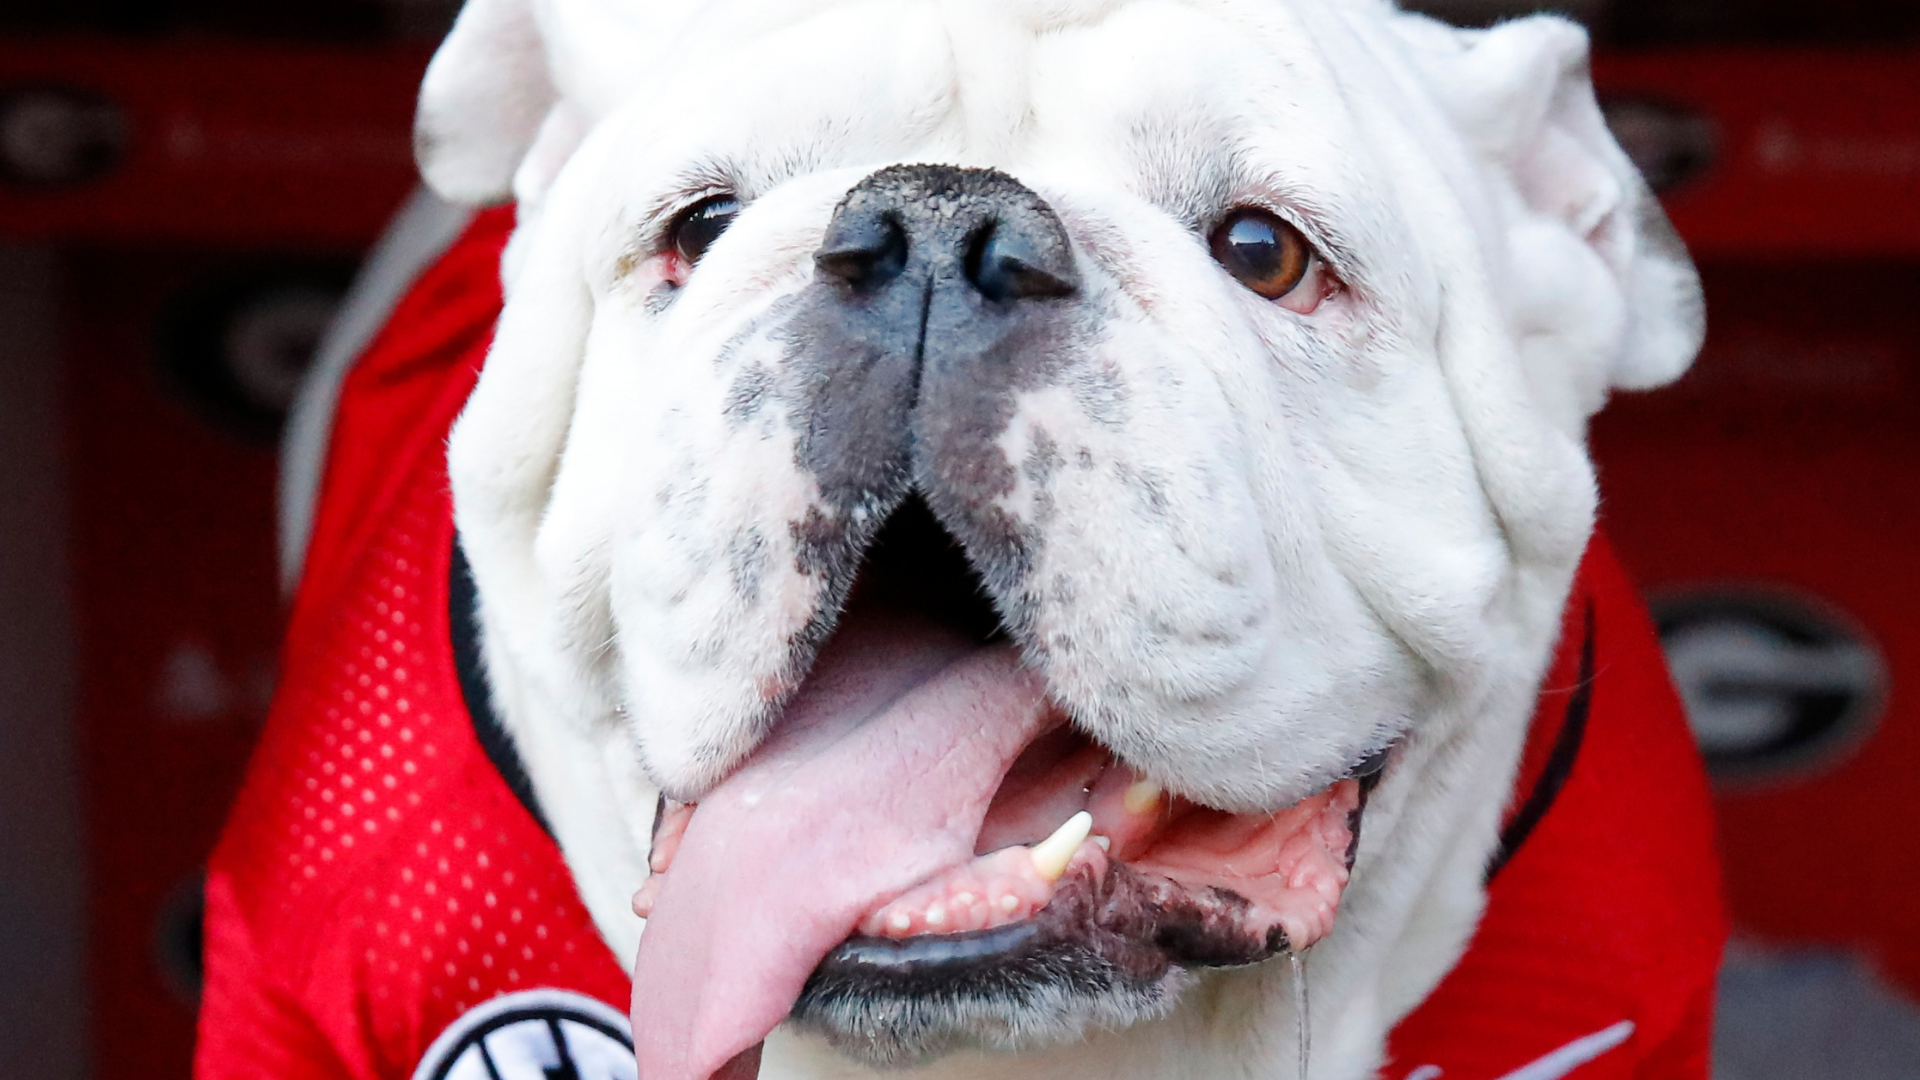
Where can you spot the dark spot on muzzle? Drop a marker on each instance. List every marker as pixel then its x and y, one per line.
pixel 939 293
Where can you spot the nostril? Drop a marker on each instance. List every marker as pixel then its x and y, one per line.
pixel 864 253
pixel 1008 262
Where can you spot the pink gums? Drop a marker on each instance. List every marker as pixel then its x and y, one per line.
pixel 1290 866
pixel 991 890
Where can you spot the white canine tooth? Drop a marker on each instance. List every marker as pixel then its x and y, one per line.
pixel 1050 856
pixel 1142 797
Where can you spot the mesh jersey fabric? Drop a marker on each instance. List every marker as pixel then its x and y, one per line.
pixel 378 878
pixel 1610 912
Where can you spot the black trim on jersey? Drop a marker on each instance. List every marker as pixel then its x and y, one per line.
pixel 1566 749
pixel 463 619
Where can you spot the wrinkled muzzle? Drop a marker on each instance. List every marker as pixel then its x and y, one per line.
pixel 925 854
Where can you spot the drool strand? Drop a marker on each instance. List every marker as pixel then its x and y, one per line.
pixel 1302 1029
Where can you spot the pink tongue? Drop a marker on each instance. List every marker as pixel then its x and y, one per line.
pixel 876 778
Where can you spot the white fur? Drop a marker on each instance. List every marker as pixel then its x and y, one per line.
pixel 1269 541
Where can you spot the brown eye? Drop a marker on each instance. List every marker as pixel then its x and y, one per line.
pixel 700 225
pixel 1265 253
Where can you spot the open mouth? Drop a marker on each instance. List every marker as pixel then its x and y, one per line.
pixel 925 855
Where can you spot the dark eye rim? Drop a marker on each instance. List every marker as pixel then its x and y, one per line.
pixel 1272 286
pixel 695 228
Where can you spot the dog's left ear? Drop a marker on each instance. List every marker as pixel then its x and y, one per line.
pixel 1606 294
pixel 483 102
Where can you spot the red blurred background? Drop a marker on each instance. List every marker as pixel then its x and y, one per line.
pixel 185 189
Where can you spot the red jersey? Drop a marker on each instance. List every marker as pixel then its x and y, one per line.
pixel 386 903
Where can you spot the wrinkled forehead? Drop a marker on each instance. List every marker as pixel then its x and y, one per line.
pixel 1189 104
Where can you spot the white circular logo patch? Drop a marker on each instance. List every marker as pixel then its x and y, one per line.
pixel 534 1035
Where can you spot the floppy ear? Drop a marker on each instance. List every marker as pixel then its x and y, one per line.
pixel 483 101
pixel 504 450
pixel 1605 294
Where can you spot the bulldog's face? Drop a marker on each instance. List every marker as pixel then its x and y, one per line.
pixel 1017 471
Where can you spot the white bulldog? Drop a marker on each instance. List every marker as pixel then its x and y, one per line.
pixel 969 497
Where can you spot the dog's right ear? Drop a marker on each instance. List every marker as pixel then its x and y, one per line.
pixel 482 104
pixel 1604 295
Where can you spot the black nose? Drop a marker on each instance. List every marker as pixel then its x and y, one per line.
pixel 940 294
pixel 979 226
